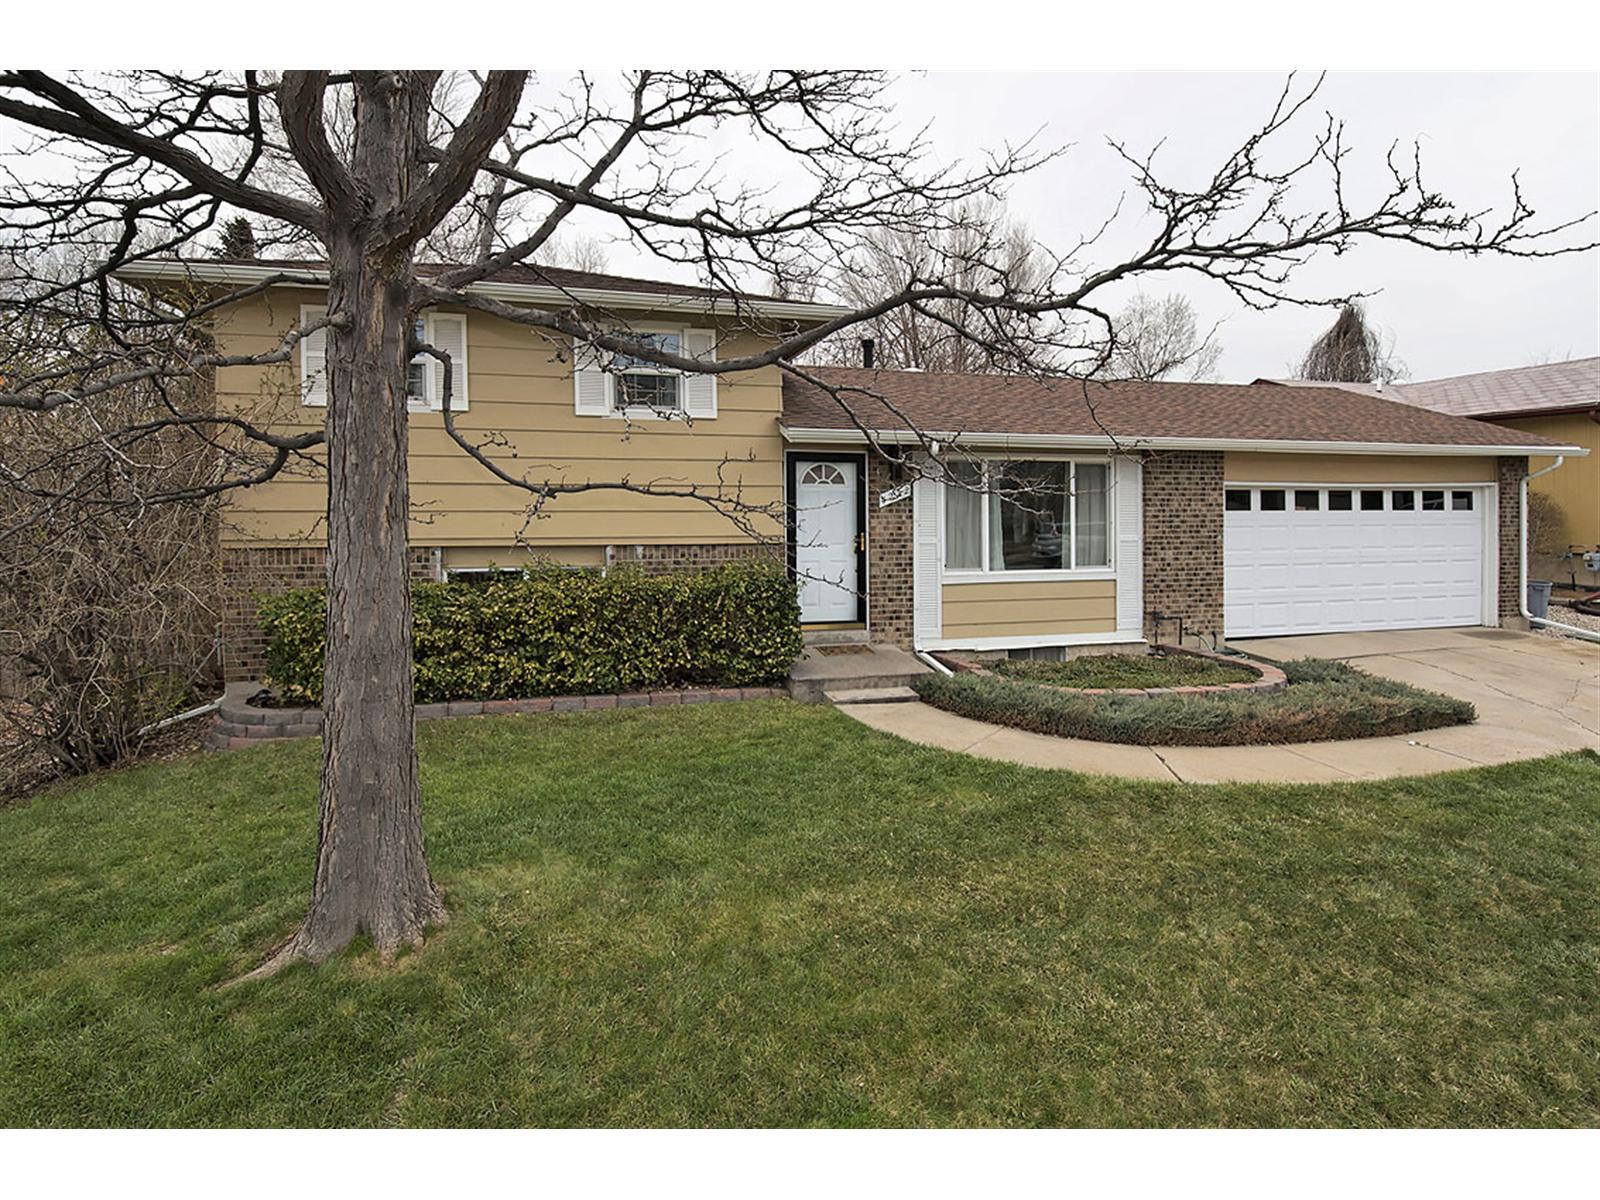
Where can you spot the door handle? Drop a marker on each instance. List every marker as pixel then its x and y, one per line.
pixel 861 542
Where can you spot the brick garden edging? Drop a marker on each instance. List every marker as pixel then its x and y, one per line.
pixel 239 723
pixel 1271 678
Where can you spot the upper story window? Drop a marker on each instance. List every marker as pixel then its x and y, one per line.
pixel 632 386
pixel 1009 515
pixel 417 369
pixel 425 379
pixel 641 383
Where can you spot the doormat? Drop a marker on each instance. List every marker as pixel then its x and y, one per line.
pixel 847 648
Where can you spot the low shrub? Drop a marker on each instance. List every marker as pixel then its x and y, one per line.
pixel 566 633
pixel 1324 701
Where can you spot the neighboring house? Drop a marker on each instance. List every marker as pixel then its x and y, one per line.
pixel 1235 510
pixel 1556 400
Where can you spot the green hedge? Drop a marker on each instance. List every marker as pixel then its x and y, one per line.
pixel 1324 700
pixel 566 633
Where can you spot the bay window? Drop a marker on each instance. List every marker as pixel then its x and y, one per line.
pixel 1007 515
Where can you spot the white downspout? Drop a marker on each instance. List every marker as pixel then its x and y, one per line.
pixel 1522 592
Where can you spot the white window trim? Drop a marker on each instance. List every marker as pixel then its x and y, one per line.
pixel 643 412
pixel 1108 570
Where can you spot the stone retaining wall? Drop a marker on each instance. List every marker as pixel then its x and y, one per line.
pixel 239 723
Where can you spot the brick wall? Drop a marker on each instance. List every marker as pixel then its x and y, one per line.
pixel 247 570
pixel 663 560
pixel 889 568
pixel 1183 541
pixel 1509 478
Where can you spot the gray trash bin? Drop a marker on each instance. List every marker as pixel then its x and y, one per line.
pixel 1538 597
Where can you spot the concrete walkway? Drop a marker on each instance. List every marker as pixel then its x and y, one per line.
pixel 1535 696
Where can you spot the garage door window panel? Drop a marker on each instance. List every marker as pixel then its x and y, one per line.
pixel 1403 501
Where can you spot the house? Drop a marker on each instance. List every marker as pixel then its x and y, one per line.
pixel 1145 510
pixel 1556 400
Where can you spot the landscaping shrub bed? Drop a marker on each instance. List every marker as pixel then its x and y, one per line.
pixel 566 633
pixel 1125 671
pixel 1324 700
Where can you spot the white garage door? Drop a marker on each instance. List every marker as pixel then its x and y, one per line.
pixel 1324 559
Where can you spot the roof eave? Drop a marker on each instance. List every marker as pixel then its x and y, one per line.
pixel 536 295
pixel 1523 414
pixel 1057 441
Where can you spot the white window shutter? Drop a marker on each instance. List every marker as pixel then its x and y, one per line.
pixel 700 391
pixel 448 332
pixel 314 359
pixel 927 609
pixel 1127 507
pixel 591 386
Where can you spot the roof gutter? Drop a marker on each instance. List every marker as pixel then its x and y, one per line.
pixel 1062 441
pixel 536 295
pixel 1522 592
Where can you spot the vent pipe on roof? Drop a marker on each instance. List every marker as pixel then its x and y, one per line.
pixel 868 347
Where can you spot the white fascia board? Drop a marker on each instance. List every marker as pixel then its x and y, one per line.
pixel 533 295
pixel 1102 443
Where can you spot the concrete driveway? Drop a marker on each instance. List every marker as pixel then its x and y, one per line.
pixel 1535 695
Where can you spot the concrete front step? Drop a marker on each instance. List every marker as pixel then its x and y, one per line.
pixel 873 667
pixel 880 695
pixel 836 637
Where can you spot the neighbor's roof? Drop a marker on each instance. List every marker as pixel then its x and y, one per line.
pixel 1552 387
pixel 1021 411
pixel 522 283
pixel 1519 391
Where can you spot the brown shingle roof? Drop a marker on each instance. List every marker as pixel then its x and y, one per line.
pixel 1551 387
pixel 1016 405
pixel 1518 391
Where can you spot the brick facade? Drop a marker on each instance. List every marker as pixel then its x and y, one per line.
pixel 664 560
pixel 248 570
pixel 1509 480
pixel 889 566
pixel 1183 542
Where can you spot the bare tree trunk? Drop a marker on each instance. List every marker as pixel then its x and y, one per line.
pixel 372 876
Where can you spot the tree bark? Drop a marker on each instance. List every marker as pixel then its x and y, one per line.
pixel 371 873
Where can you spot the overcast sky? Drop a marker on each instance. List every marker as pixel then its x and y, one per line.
pixel 1448 314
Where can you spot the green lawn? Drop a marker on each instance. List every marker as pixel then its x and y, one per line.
pixel 768 914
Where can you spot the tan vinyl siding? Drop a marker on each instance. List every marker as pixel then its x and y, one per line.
pixel 1576 485
pixel 520 386
pixel 1249 467
pixel 458 558
pixel 1029 609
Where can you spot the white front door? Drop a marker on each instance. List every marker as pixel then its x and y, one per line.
pixel 825 540
pixel 1320 559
